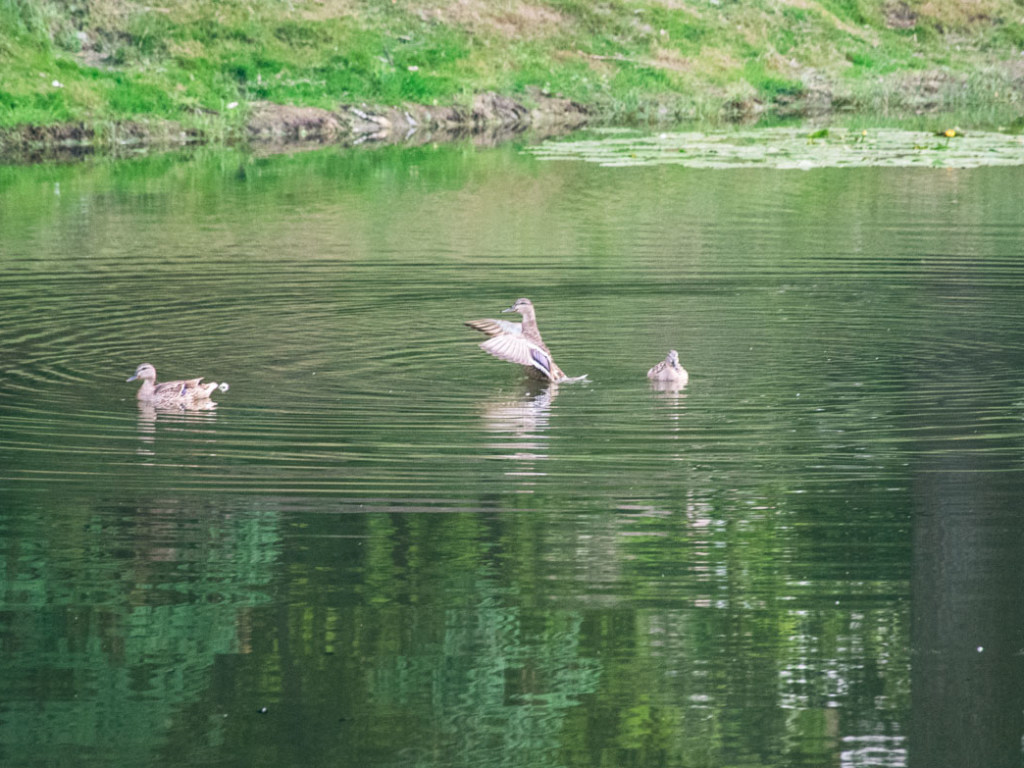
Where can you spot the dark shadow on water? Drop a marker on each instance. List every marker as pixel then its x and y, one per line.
pixel 967 671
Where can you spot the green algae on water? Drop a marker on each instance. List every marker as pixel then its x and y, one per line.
pixel 790 148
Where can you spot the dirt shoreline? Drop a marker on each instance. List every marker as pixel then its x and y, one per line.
pixel 274 128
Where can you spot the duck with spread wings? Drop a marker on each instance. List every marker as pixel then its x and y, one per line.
pixel 521 343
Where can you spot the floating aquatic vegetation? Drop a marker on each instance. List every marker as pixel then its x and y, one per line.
pixel 792 148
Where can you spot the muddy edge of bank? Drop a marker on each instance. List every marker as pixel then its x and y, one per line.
pixel 273 128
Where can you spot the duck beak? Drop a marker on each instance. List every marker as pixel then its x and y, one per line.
pixel 510 309
pixel 133 378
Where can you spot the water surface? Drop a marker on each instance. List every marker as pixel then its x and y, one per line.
pixel 384 547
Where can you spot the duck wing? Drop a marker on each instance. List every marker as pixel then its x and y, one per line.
pixel 200 388
pixel 656 370
pixel 518 349
pixel 184 388
pixel 496 327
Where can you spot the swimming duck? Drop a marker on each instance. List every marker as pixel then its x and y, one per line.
pixel 188 393
pixel 521 343
pixel 669 370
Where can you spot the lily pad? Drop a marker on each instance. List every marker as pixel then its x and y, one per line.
pixel 791 148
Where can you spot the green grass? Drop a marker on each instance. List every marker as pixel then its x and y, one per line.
pixel 185 61
pixel 768 84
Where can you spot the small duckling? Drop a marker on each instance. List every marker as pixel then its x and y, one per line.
pixel 669 371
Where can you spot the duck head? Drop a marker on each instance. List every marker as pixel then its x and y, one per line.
pixel 520 306
pixel 144 372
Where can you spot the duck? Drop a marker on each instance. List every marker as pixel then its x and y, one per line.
pixel 185 393
pixel 521 343
pixel 669 371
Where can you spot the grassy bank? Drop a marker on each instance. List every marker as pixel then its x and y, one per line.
pixel 195 67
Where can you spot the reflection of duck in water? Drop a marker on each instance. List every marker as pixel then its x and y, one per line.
pixel 669 371
pixel 521 343
pixel 187 393
pixel 198 417
pixel 517 425
pixel 522 417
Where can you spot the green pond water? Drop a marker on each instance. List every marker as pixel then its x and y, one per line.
pixel 386 548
